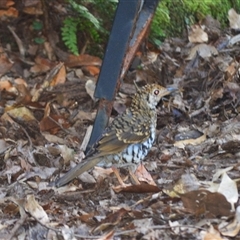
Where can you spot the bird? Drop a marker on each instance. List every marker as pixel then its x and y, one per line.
pixel 128 138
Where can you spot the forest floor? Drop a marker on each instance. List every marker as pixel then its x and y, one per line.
pixel 47 109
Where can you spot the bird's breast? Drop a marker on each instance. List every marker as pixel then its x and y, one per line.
pixel 133 153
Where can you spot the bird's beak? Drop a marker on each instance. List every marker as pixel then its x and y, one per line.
pixel 171 89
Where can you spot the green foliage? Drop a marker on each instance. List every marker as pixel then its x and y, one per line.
pixel 37 25
pixel 84 13
pixel 88 23
pixel 69 34
pixel 39 40
pixel 87 18
pixel 172 17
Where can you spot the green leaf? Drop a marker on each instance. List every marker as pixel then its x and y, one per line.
pixel 37 25
pixel 39 40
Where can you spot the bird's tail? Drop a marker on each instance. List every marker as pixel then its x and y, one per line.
pixel 76 171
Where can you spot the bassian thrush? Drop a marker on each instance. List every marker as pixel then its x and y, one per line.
pixel 129 137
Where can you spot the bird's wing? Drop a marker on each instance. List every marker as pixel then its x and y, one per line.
pixel 124 131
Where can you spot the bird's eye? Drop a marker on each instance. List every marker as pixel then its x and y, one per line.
pixel 156 92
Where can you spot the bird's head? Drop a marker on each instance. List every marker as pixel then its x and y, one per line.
pixel 151 94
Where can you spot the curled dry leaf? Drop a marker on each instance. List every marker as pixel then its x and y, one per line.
pixel 205 202
pixel 229 189
pixel 82 60
pixel 66 153
pixel 6 3
pixel 90 88
pixel 21 113
pixel 197 34
pixel 233 228
pixel 187 182
pixel 10 12
pixel 35 9
pixel 234 19
pixel 203 50
pixel 5 63
pixel 60 76
pixel 33 207
pixel 183 143
pixel 211 234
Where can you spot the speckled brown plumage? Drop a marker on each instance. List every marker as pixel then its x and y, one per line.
pixel 129 137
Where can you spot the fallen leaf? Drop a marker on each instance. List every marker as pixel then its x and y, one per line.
pixel 205 202
pixel 33 207
pixel 143 175
pixel 67 153
pixel 42 65
pixel 234 19
pixel 197 34
pixel 233 228
pixel 21 113
pixel 82 60
pixel 92 70
pixel 6 3
pixel 211 234
pixel 5 63
pixel 10 12
pixel 90 88
pixel 53 123
pixel 183 143
pixel 229 189
pixel 203 50
pixel 60 77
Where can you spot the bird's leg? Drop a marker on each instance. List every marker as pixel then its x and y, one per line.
pixel 131 169
pixel 116 172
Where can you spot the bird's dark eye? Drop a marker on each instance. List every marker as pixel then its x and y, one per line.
pixel 156 92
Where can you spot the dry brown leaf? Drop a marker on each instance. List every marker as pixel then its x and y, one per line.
pixel 33 207
pixel 140 188
pixel 5 63
pixel 187 182
pixel 111 220
pixel 197 34
pixel 204 51
pixel 233 228
pixel 60 77
pixel 66 153
pixel 85 115
pixel 205 202
pixel 92 70
pixel 6 3
pixel 211 234
pixel 90 88
pixel 5 85
pixel 53 123
pixel 42 65
pixel 82 60
pixel 183 143
pixel 34 10
pixel 229 189
pixel 108 236
pixel 144 176
pixel 10 12
pixel 49 50
pixel 21 113
pixel 11 209
pixel 24 96
pixel 234 19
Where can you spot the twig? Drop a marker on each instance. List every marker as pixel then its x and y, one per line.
pixel 18 41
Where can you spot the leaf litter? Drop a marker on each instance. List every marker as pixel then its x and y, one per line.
pixel 190 190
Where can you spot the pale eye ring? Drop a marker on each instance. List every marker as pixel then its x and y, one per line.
pixel 156 92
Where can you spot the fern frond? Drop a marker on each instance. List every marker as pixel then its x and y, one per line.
pixel 69 34
pixel 84 12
